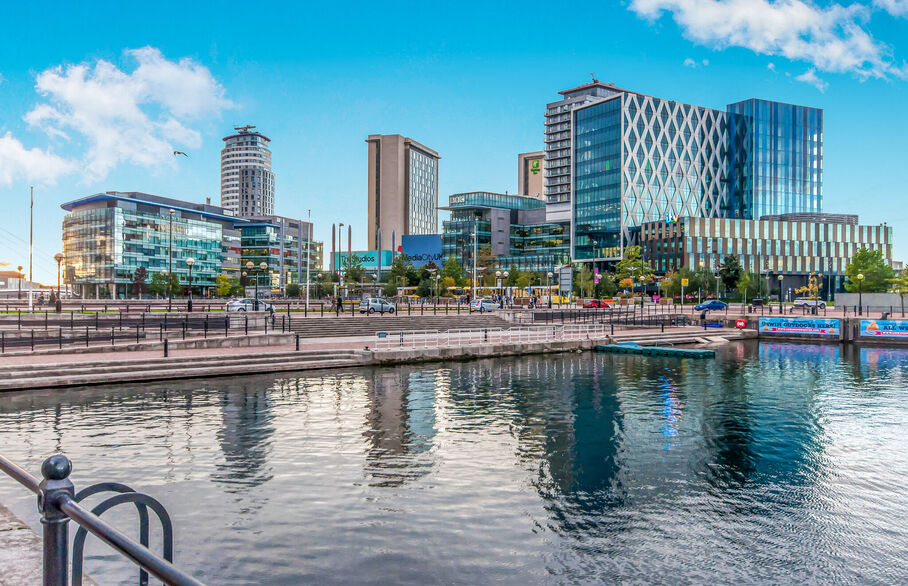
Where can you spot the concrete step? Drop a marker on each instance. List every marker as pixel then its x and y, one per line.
pixel 186 371
pixel 20 371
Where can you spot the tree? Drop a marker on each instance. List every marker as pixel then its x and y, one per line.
pixel 743 285
pixel 424 289
pixel 446 283
pixel 236 288
pixel 353 269
pixel 585 281
pixel 158 286
pixel 450 269
pixel 292 290
pixel 606 287
pixel 138 281
pixel 401 271
pixel 730 271
pixel 522 281
pixel 484 260
pixel 812 288
pixel 633 266
pixel 877 274
pixel 389 289
pixel 222 285
pixel 900 286
pixel 175 287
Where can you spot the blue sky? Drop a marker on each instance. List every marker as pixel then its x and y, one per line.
pixel 94 99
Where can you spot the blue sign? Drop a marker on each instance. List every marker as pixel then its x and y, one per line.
pixel 884 328
pixel 367 258
pixel 797 325
pixel 422 248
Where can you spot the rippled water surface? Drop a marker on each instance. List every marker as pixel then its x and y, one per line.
pixel 778 463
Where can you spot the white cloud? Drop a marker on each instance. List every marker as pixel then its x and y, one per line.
pixel 893 7
pixel 695 64
pixel 831 38
pixel 771 66
pixel 810 76
pixel 138 117
pixel 32 165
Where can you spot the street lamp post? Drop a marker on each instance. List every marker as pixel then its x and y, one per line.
pixel 19 280
pixel 781 277
pixel 860 277
pixel 189 262
pixel 505 274
pixel 498 278
pixel 170 262
pixel 59 258
pixel 548 286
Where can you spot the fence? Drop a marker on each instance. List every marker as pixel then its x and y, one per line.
pixel 475 336
pixel 59 332
pixel 59 503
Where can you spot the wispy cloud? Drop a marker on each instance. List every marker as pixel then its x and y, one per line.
pixel 893 7
pixel 32 165
pixel 810 76
pixel 115 116
pixel 771 66
pixel 695 64
pixel 831 38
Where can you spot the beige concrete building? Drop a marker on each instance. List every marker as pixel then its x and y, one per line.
pixel 529 174
pixel 403 190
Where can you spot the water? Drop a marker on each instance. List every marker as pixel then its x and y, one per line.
pixel 777 463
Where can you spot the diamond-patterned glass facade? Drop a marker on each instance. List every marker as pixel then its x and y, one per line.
pixel 639 159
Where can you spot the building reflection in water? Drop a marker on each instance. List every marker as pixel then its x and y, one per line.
pixel 400 425
pixel 245 436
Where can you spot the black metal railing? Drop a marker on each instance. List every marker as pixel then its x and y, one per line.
pixel 58 503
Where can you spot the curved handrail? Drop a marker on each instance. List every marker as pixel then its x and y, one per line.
pixel 79 541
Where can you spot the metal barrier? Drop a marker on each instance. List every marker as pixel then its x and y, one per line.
pixel 58 503
pixel 473 336
pixel 407 339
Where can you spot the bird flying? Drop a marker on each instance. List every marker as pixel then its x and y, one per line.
pixel 175 153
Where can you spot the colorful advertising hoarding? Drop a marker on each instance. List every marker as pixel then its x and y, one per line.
pixel 884 328
pixel 799 325
pixel 422 248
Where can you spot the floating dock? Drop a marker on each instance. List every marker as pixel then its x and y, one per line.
pixel 655 351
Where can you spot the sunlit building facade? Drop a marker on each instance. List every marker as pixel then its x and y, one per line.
pixel 282 243
pixel 513 227
pixel 108 236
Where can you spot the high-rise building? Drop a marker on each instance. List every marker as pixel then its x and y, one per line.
pixel 247 182
pixel 558 141
pixel 403 189
pixel 530 175
pixel 637 158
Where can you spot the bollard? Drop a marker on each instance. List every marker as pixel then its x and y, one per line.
pixel 86 336
pixel 166 348
pixel 297 342
pixel 33 340
pixel 246 324
pixel 55 488
pixel 111 335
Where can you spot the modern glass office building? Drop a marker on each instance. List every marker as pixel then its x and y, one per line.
pixel 108 236
pixel 775 158
pixel 638 158
pixel 283 243
pixel 785 245
pixel 513 227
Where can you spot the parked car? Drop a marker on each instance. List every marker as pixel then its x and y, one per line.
pixel 248 304
pixel 376 305
pixel 596 303
pixel 711 305
pixel 807 302
pixel 756 302
pixel 482 305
